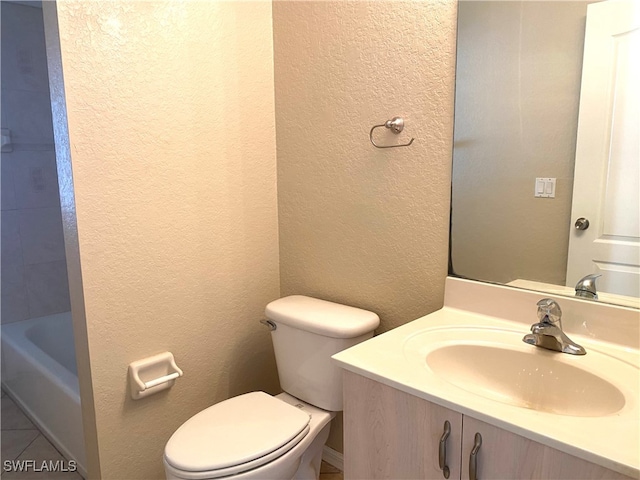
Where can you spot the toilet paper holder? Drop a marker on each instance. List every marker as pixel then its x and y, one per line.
pixel 152 375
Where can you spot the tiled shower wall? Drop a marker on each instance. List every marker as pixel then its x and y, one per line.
pixel 34 275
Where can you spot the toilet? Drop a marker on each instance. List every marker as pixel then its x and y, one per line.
pixel 259 436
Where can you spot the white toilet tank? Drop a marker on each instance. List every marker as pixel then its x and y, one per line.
pixel 308 332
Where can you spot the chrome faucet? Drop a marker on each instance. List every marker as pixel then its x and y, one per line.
pixel 547 333
pixel 586 287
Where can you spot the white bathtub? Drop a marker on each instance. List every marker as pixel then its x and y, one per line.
pixel 39 372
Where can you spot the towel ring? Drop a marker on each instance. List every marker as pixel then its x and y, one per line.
pixel 396 125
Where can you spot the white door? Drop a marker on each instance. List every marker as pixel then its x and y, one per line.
pixel 606 188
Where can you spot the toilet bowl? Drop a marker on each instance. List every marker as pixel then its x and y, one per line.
pixel 279 456
pixel 259 436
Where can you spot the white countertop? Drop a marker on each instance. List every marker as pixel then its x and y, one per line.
pixel 387 359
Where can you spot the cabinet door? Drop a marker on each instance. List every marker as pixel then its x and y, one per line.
pixel 389 434
pixel 505 455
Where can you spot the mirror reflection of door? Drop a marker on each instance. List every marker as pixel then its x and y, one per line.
pixel 520 90
pixel 606 188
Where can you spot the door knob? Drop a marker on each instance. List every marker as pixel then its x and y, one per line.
pixel 581 224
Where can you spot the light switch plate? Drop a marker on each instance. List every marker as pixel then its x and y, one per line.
pixel 545 187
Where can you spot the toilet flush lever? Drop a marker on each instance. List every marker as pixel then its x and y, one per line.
pixel 272 325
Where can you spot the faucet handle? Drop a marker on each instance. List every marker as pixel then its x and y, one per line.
pixel 549 311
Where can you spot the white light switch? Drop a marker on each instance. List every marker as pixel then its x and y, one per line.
pixel 545 188
pixel 548 188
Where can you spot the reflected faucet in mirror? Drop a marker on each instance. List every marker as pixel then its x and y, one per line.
pixel 586 286
pixel 548 333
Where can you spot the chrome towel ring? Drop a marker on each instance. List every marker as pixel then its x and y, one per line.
pixel 396 125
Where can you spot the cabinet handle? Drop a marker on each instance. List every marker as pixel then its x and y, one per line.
pixel 473 458
pixel 442 449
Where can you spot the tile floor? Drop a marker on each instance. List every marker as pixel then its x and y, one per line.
pixel 329 472
pixel 21 440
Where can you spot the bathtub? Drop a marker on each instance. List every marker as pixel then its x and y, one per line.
pixel 39 372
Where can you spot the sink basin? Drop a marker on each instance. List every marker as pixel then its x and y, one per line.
pixel 538 382
pixel 497 365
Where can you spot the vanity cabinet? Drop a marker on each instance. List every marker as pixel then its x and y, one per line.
pixel 390 434
pixel 507 455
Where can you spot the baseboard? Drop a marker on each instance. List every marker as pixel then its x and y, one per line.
pixel 333 458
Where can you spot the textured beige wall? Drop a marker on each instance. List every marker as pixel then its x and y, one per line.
pixel 171 130
pixel 517 95
pixel 69 223
pixel 359 225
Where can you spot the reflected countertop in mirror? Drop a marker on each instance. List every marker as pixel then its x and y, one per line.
pixel 546 141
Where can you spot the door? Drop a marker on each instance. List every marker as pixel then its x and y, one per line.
pixel 607 170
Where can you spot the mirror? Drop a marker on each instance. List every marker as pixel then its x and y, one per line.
pixel 546 139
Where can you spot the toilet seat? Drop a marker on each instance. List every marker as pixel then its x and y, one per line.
pixel 236 435
pixel 234 470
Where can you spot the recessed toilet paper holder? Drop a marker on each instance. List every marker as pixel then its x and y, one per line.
pixel 152 375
